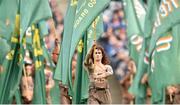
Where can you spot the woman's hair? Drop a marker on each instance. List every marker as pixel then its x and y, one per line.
pixel 104 60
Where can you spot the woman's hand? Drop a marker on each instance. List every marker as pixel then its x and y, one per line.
pixel 144 78
pixel 132 67
pixel 94 42
pixel 90 62
pixel 171 89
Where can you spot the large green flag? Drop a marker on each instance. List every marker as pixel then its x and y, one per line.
pixel 34 44
pixel 135 13
pixel 10 75
pixel 61 71
pixel 8 10
pixel 164 48
pixel 39 96
pixel 39 74
pixel 77 99
pixel 137 88
pixel 163 71
pixel 151 16
pixel 4 49
pixel 85 15
pixel 81 86
pixel 32 11
pixel 12 67
pixel 38 11
pixel 135 21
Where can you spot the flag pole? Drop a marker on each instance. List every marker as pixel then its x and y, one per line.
pixel 24 71
pixel 171 99
pixel 94 28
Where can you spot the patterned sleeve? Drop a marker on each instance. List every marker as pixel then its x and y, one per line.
pixel 109 70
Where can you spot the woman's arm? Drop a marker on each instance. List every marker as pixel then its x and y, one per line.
pixel 88 63
pixel 106 73
pixel 109 70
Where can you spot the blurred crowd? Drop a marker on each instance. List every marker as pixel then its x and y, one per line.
pixel 114 39
pixel 55 25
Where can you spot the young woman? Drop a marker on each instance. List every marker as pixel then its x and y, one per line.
pixel 96 63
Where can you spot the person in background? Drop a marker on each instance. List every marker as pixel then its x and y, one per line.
pixel 55 53
pixel 127 81
pixel 27 82
pixel 65 98
pixel 173 94
pixel 49 83
pixel 74 63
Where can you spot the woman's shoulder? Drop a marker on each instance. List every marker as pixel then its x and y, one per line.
pixel 109 69
pixel 108 66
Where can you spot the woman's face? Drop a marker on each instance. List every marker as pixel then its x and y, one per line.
pixel 29 69
pixel 97 55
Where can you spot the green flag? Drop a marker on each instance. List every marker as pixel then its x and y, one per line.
pixel 79 72
pixel 12 67
pixel 32 11
pixel 135 13
pixel 137 88
pixel 39 96
pixel 84 16
pixel 135 30
pixel 8 10
pixel 55 93
pixel 18 97
pixel 10 78
pixel 4 49
pixel 165 20
pixel 164 49
pixel 34 43
pixel 143 62
pixel 38 11
pixel 61 72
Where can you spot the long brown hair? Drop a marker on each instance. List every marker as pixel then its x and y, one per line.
pixel 104 60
